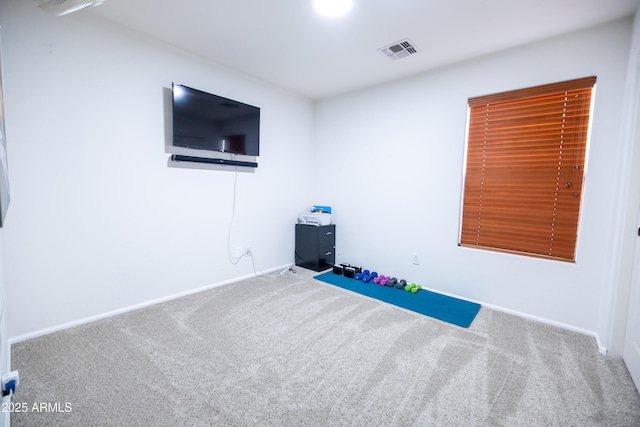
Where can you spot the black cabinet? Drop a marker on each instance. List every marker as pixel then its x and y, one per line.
pixel 315 246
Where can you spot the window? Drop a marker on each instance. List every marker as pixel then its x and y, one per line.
pixel 525 161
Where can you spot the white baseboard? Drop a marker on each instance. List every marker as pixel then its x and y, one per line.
pixel 602 349
pixel 63 326
pixel 560 325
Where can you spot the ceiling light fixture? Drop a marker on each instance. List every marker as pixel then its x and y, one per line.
pixel 63 7
pixel 332 8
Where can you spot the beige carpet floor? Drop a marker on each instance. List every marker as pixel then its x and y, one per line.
pixel 293 351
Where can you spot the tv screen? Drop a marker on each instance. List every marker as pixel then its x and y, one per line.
pixel 203 121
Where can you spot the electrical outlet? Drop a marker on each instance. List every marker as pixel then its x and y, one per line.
pixel 416 259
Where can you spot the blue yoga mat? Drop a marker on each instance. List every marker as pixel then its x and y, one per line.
pixel 443 307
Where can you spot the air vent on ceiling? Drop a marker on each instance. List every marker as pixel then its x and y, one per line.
pixel 400 49
pixel 63 7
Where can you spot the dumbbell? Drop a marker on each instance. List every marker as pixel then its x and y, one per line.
pixel 376 279
pixel 413 288
pixel 371 276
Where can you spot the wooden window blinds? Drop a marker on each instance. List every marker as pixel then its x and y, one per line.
pixel 525 168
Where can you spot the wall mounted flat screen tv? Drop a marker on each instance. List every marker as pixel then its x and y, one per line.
pixel 203 121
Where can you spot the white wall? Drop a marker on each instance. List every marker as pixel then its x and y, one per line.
pixel 98 222
pixel 617 290
pixel 4 336
pixel 396 179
